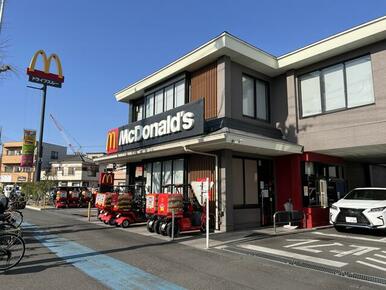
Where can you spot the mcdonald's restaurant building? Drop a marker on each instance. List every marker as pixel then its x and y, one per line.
pixel 257 126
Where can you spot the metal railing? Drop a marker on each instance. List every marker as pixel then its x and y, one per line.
pixel 288 217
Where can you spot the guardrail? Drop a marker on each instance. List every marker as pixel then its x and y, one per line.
pixel 288 217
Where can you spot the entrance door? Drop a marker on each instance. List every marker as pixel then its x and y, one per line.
pixel 266 195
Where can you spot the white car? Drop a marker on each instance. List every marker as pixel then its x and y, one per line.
pixel 362 208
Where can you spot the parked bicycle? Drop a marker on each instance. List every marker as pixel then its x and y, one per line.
pixel 12 250
pixel 12 245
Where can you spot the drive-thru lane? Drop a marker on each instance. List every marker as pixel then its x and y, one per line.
pixel 355 251
pixel 174 263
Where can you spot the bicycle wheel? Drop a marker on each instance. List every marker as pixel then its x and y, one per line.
pixel 7 228
pixel 12 249
pixel 15 218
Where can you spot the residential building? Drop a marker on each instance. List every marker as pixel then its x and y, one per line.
pixel 306 126
pixel 10 170
pixel 74 170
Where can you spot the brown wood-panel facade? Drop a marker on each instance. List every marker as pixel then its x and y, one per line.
pixel 204 85
pixel 202 167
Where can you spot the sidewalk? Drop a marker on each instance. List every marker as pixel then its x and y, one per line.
pixel 192 239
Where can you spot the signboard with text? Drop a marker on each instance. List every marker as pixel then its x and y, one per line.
pixel 44 76
pixel 28 148
pixel 178 123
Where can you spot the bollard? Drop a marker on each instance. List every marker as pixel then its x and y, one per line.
pixel 89 211
pixel 172 224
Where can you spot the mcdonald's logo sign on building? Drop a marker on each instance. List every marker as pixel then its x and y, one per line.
pixel 106 178
pixel 44 76
pixel 112 141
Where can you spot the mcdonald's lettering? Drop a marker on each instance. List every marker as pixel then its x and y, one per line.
pixel 106 179
pixel 44 76
pixel 112 141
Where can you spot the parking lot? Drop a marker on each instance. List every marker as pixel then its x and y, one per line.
pixel 355 253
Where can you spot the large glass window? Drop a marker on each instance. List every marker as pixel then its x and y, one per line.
pixel 169 103
pixel 156 177
pixel 359 82
pixel 167 174
pixel 150 105
pixel 179 93
pixel 159 102
pixel 147 174
pixel 311 98
pixel 166 98
pixel 138 111
pixel 345 85
pixel 255 98
pixel 172 173
pixel 248 97
pixel 178 171
pixel 334 87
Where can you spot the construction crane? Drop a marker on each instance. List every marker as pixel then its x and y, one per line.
pixel 76 150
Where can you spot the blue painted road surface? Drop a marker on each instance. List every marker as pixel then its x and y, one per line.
pixel 110 272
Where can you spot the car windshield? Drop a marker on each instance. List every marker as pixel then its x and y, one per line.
pixel 367 194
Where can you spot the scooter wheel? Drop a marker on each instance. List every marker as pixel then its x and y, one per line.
pixel 163 228
pixel 169 230
pixel 157 226
pixel 150 224
pixel 125 224
pixel 112 222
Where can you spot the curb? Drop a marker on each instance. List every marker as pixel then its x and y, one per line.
pixel 39 208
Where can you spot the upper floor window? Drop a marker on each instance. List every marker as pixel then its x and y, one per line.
pixel 165 99
pixel 13 152
pixel 341 86
pixel 54 155
pixel 70 171
pixel 255 98
pixel 138 110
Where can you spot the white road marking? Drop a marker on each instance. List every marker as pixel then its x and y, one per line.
pixel 301 242
pixel 294 255
pixel 372 266
pixel 380 256
pixel 383 240
pixel 357 251
pixel 376 260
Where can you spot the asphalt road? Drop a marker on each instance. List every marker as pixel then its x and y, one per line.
pixel 65 252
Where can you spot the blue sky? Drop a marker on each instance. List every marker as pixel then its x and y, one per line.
pixel 105 47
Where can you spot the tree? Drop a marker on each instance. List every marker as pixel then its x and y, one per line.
pixel 37 190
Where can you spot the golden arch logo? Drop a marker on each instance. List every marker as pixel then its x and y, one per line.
pixel 106 179
pixel 44 76
pixel 112 141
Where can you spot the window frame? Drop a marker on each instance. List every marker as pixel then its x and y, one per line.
pixel 54 155
pixel 245 205
pixel 162 88
pixel 268 103
pixel 162 160
pixel 322 88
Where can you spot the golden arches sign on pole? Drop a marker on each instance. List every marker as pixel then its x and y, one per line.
pixel 44 76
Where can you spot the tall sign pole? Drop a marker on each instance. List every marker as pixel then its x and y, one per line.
pixel 45 78
pixel 40 145
pixel 2 4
